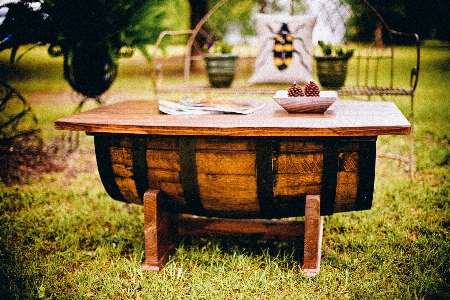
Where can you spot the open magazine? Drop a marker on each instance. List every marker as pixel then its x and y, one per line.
pixel 188 106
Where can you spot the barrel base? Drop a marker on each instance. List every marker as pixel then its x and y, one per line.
pixel 162 229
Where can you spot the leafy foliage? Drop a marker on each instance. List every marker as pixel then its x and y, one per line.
pixel 132 23
pixel 328 49
pixel 428 18
pixel 68 24
pixel 218 47
pixel 239 13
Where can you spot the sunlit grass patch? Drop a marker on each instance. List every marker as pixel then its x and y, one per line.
pixel 63 237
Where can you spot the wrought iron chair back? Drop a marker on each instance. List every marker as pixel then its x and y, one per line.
pixel 372 70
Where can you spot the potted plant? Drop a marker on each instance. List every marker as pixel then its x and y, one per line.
pixel 332 65
pixel 220 63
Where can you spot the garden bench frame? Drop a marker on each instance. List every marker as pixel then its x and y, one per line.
pixel 366 73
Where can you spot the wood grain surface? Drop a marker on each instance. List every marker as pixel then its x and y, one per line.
pixel 343 118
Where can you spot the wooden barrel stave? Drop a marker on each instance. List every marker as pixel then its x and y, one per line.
pixel 163 169
pixel 122 166
pixel 225 171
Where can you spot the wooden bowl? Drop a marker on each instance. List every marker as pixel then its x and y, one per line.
pixel 306 104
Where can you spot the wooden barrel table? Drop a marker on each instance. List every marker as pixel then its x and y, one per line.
pixel 229 168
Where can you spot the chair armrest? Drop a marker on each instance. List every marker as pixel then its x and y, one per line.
pixel 414 77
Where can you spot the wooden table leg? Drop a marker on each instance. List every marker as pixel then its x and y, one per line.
pixel 313 236
pixel 158 232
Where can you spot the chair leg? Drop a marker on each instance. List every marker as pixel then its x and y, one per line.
pixel 411 139
pixel 313 236
pixel 159 235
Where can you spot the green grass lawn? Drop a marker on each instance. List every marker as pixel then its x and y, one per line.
pixel 62 237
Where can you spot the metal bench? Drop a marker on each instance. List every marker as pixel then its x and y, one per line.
pixel 371 72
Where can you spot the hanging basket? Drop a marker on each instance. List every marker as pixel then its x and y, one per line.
pixel 90 69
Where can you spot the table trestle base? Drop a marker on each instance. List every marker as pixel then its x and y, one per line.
pixel 162 230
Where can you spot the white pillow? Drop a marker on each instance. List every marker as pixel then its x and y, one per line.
pixel 299 69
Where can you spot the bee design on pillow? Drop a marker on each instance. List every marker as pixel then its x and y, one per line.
pixel 283 48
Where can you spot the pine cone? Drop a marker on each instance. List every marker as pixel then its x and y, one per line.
pixel 312 89
pixel 295 90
